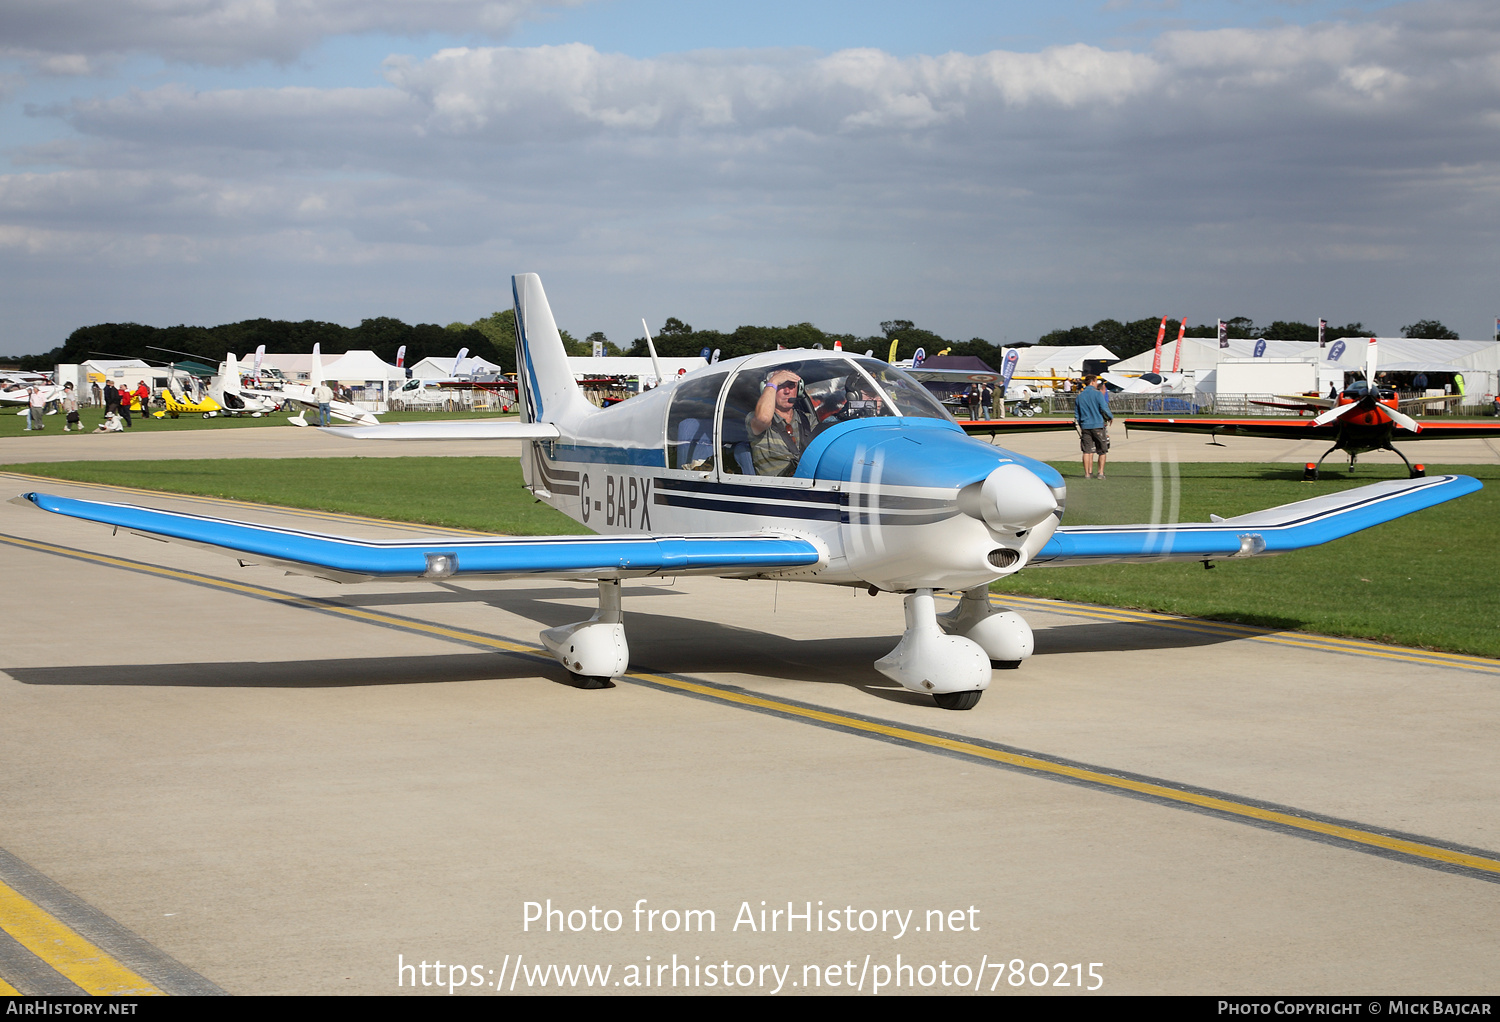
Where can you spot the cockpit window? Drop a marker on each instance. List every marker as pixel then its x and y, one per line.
pixel 909 396
pixel 772 413
pixel 690 423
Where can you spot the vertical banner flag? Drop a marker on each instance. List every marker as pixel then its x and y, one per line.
pixel 1336 352
pixel 919 358
pixel 715 359
pixel 260 353
pixel 598 349
pixel 463 353
pixel 401 357
pixel 1177 352
pixel 1223 334
pixel 895 341
pixel 1161 332
pixel 704 354
pixel 1260 347
pixel 1322 333
pixel 1007 370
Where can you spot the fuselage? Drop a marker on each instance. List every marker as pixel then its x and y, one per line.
pixel 1367 428
pixel 882 476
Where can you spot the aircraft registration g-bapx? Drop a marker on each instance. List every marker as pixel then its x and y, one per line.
pixel 817 466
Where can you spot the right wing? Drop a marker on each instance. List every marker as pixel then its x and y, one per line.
pixel 1303 523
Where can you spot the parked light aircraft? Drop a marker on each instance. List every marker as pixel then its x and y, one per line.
pixel 186 395
pixel 306 396
pixel 1365 417
pixel 232 395
pixel 19 393
pixel 876 486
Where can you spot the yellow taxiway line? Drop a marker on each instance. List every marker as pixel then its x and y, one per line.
pixel 73 957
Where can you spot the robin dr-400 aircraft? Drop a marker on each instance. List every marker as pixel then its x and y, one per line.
pixel 817 466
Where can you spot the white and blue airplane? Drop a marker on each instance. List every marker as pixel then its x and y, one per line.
pixel 870 484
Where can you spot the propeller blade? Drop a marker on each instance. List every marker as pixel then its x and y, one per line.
pixel 1337 413
pixel 1402 419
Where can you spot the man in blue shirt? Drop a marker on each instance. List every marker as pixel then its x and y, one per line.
pixel 1090 413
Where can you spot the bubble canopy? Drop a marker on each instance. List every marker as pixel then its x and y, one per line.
pixel 761 433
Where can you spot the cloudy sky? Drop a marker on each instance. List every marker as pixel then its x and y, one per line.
pixel 986 168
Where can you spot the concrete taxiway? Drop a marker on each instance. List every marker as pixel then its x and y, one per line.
pixel 277 784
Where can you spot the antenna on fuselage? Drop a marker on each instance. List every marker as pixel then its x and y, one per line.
pixel 655 364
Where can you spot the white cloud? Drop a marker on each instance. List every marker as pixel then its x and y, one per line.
pixel 1300 161
pixel 239 31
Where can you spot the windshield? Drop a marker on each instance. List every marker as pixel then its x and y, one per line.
pixel 772 412
pixel 909 396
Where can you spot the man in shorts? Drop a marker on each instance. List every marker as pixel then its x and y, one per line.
pixel 1091 415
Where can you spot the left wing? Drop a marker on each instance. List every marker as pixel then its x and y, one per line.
pixel 1277 530
pixel 1019 424
pixel 354 560
pixel 1307 429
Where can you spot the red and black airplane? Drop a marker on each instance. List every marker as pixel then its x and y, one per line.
pixel 1365 417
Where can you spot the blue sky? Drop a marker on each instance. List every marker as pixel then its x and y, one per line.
pixel 986 169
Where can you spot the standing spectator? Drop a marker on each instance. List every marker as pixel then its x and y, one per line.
pixel 125 396
pixel 111 398
pixel 97 396
pixel 36 404
pixel 324 397
pixel 144 393
pixel 70 409
pixel 973 399
pixel 1091 415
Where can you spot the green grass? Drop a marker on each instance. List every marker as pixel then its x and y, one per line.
pixel 1425 580
pixel 12 424
pixel 465 493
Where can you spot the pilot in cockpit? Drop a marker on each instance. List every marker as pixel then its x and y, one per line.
pixel 780 425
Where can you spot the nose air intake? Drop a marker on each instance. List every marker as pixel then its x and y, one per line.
pixel 1012 499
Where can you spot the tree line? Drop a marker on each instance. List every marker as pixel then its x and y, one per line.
pixel 493 339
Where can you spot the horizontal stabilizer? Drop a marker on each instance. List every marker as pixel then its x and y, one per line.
pixel 483 429
pixel 354 560
pixel 1276 530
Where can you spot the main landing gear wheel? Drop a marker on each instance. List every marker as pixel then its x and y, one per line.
pixel 958 700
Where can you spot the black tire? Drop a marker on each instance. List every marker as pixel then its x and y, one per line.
pixel 1005 665
pixel 590 681
pixel 958 700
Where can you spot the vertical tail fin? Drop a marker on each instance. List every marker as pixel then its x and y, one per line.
pixel 548 391
pixel 231 384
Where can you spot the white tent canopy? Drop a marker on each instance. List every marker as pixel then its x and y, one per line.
pixel 1043 359
pixel 440 367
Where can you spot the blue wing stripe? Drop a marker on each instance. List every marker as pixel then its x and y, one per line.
pixel 388 559
pixel 1303 524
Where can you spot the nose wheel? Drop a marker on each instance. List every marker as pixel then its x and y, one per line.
pixel 958 700
pixel 954 670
